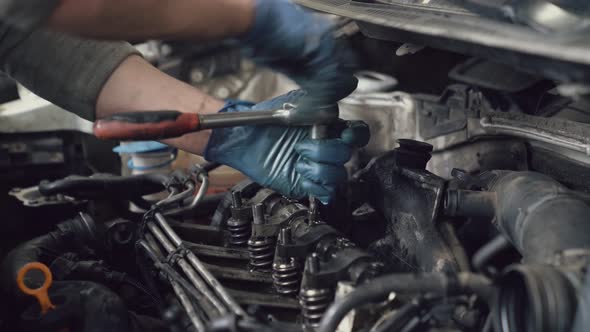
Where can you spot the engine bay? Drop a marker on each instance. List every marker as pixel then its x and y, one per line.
pixel 467 211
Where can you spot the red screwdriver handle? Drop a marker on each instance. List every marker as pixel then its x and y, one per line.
pixel 140 126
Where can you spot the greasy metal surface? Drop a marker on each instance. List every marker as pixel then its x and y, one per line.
pixel 223 120
pixel 198 233
pixel 445 6
pixel 219 252
pixel 32 197
pixel 410 200
pixel 289 115
pixel 230 273
pixel 475 35
pixel 563 133
pixel 267 300
pixel 546 16
pixel 462 116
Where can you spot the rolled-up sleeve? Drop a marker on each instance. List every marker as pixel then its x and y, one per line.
pixel 67 71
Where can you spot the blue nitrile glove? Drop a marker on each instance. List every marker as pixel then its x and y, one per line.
pixel 299 44
pixel 283 158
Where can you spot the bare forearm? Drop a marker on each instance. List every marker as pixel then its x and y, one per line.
pixel 130 19
pixel 137 86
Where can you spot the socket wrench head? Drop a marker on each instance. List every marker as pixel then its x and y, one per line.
pixel 317 115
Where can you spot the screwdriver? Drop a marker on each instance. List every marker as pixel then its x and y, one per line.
pixel 157 125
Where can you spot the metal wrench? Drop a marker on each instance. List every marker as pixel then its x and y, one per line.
pixel 156 125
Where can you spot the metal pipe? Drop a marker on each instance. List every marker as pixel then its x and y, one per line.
pixel 235 119
pixel 188 306
pixel 151 250
pixel 200 194
pixel 192 275
pixel 289 115
pixel 228 300
pixel 178 197
pixel 317 132
pixel 196 198
pixel 149 238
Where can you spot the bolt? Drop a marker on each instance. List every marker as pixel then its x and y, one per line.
pixel 459 174
pixel 197 76
pixel 312 264
pixel 236 199
pixel 285 237
pixel 223 92
pixel 313 210
pixel 258 214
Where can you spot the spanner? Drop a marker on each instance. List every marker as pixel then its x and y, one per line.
pixel 156 125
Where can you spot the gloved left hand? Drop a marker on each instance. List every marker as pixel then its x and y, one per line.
pixel 300 44
pixel 284 158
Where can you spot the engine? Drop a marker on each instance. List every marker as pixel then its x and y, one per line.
pixel 400 250
pixel 467 211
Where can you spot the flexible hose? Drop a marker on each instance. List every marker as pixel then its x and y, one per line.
pixel 378 288
pixel 489 251
pixel 399 318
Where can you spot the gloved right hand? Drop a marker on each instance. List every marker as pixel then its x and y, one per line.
pixel 284 158
pixel 299 44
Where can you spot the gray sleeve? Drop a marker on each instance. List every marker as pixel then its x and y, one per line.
pixel 26 14
pixel 67 71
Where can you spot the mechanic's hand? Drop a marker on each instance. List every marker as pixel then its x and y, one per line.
pixel 300 44
pixel 283 158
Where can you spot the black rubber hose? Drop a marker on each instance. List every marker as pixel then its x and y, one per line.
pixel 540 216
pixel 376 289
pixel 107 186
pixel 539 298
pixel 70 236
pixel 488 251
pixel 400 317
pixel 87 307
pixel 582 318
pixel 469 203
